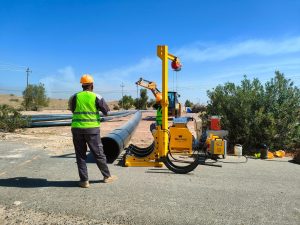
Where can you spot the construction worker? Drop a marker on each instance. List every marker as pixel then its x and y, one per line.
pixel 85 106
pixel 158 108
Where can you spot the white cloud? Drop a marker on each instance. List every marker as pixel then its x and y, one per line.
pixel 278 54
pixel 107 83
pixel 145 65
pixel 221 52
pixel 61 84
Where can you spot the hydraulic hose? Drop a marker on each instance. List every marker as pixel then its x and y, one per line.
pixel 139 152
pixel 181 169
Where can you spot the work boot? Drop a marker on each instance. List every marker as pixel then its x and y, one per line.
pixel 84 184
pixel 110 179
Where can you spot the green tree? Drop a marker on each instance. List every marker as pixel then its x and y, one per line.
pixel 34 97
pixel 198 108
pixel 126 102
pixel 255 113
pixel 151 103
pixel 141 103
pixel 283 102
pixel 188 103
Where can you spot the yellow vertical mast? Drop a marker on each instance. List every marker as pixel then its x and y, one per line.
pixel 162 53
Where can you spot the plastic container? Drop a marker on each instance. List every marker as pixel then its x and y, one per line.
pixel 215 123
pixel 264 151
pixel 238 150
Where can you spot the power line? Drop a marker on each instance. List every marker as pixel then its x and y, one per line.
pixel 122 86
pixel 27 72
pixel 137 91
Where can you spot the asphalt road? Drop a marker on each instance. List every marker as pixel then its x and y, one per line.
pixel 36 188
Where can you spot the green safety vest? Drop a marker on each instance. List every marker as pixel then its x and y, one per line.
pixel 86 115
pixel 159 116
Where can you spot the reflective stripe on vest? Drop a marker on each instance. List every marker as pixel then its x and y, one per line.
pixel 86 114
pixel 159 116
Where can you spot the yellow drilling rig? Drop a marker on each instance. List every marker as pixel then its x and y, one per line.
pixel 173 146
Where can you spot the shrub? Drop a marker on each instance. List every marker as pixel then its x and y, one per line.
pixel 255 114
pixel 126 102
pixel 297 157
pixel 151 103
pixel 198 108
pixel 11 119
pixel 115 107
pixel 35 97
pixel 188 103
pixel 141 103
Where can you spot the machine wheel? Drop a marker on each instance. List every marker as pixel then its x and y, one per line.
pixel 181 166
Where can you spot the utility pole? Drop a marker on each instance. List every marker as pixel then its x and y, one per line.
pixel 27 72
pixel 122 86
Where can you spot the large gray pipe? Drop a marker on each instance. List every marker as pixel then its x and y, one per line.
pixel 51 123
pixel 115 141
pixel 52 117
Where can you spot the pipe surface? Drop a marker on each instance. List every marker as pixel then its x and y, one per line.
pixel 70 115
pixel 115 142
pixel 46 123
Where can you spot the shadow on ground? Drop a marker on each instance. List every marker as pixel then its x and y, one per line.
pixel 89 157
pixel 69 155
pixel 26 182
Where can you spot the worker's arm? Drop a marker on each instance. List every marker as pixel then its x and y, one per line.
pixel 102 105
pixel 72 103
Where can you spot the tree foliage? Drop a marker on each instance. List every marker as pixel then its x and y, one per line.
pixel 255 114
pixel 126 102
pixel 198 108
pixel 151 103
pixel 188 103
pixel 34 97
pixel 141 103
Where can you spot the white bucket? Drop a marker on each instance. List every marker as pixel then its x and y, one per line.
pixel 238 150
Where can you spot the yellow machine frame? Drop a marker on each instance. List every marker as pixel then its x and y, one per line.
pixel 181 140
pixel 217 145
pixel 161 136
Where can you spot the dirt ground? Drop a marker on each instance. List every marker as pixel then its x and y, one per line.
pixel 58 140
pixel 46 200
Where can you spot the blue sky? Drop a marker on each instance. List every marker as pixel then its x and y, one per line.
pixel 115 41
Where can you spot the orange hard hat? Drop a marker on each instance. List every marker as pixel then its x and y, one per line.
pixel 158 97
pixel 86 79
